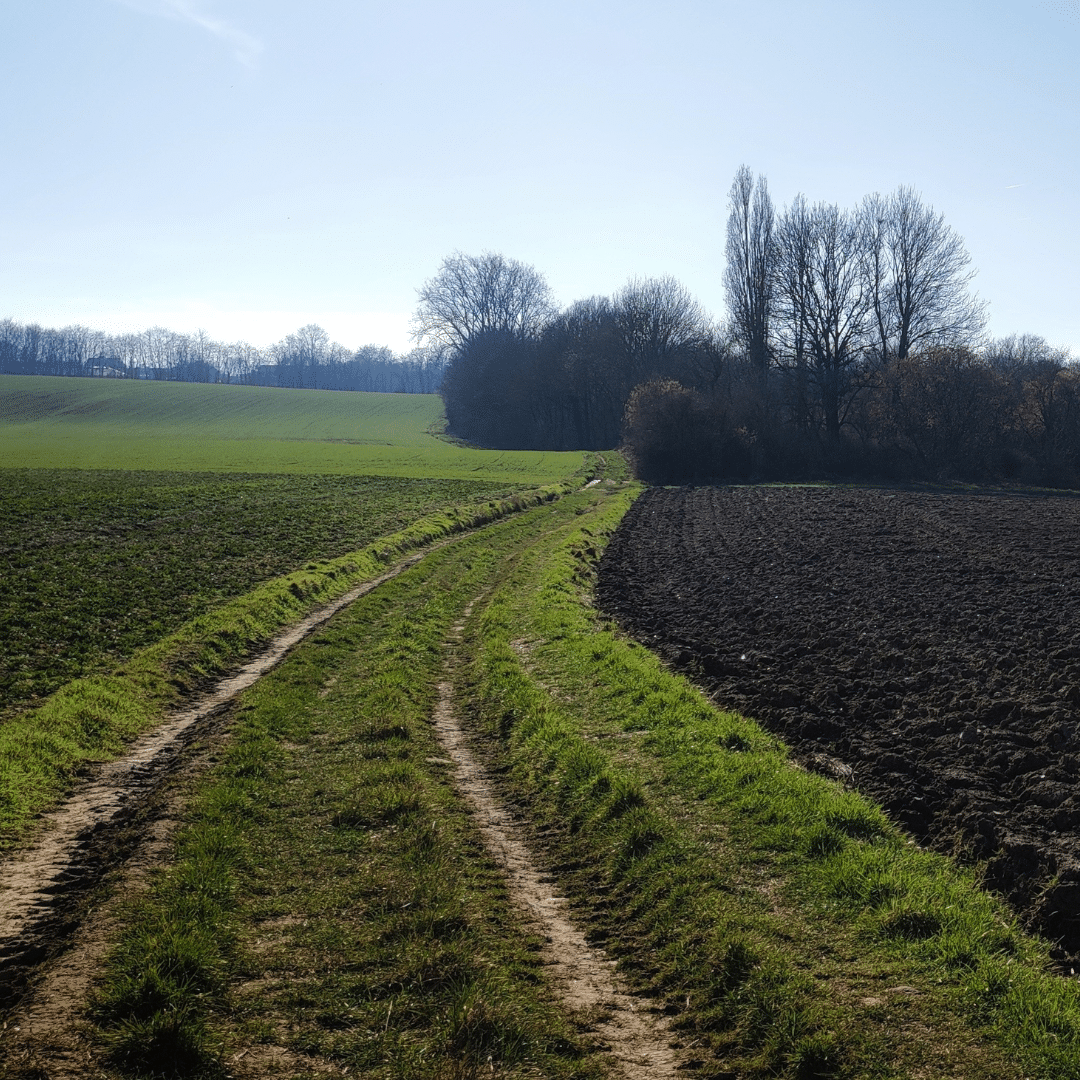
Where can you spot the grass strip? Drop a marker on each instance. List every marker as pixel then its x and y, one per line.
pixel 331 906
pixel 789 928
pixel 91 718
pixel 96 565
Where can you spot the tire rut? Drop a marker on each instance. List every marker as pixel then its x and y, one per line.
pixel 45 889
pixel 636 1039
pixel 47 1034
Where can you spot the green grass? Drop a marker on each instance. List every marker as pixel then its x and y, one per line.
pixel 126 582
pixel 55 423
pixel 330 895
pixel 786 924
pixel 97 564
pixel 91 718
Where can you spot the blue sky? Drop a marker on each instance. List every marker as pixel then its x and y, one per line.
pixel 248 166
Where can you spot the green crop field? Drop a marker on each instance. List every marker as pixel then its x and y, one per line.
pixel 96 564
pixel 120 424
pixel 129 508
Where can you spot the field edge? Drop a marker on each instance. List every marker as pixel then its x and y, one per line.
pixel 91 719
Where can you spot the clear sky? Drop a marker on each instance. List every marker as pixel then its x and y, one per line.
pixel 248 166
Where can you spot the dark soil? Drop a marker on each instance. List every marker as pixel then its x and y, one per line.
pixel 929 642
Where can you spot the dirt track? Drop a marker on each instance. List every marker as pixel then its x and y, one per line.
pixel 637 1039
pixel 56 927
pixel 43 889
pixel 931 643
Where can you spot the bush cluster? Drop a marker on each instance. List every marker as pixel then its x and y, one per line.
pixel 1009 412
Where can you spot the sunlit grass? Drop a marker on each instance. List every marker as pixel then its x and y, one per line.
pixel 330 896
pixel 97 564
pixel 784 921
pixel 59 423
pixel 92 717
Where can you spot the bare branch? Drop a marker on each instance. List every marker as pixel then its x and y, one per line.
pixel 476 294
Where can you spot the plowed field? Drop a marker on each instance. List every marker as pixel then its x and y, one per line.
pixel 924 647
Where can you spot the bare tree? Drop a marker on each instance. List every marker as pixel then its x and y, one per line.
pixel 825 309
pixel 875 216
pixel 749 277
pixel 156 351
pixel 481 294
pixel 1019 353
pixel 578 388
pixel 657 319
pixel 205 358
pixel 129 349
pixel 298 357
pixel 240 361
pixel 917 273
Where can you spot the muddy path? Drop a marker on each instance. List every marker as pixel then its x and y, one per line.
pixel 46 1033
pixel 925 648
pixel 636 1039
pixel 45 889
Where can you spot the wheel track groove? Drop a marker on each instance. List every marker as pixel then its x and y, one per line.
pixel 638 1040
pixel 44 888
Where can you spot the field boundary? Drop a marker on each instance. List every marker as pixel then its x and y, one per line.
pixel 92 719
pixel 784 923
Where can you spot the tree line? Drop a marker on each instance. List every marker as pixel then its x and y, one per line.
pixel 306 359
pixel 523 374
pixel 853 346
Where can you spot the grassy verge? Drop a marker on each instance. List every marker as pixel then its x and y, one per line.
pixel 783 922
pixel 331 907
pixel 95 565
pixel 91 718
